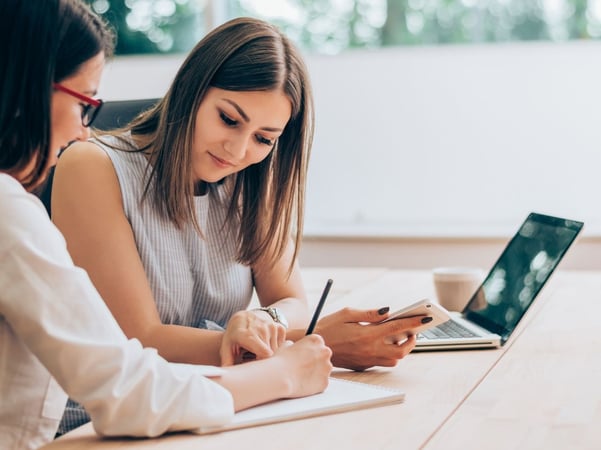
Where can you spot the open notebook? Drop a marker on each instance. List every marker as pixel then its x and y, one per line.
pixel 340 396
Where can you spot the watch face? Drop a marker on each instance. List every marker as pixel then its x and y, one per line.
pixel 279 317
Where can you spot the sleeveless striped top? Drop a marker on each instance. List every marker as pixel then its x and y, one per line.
pixel 195 279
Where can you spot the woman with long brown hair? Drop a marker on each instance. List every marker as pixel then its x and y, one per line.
pixel 183 214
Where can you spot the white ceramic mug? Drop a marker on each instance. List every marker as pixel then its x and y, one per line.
pixel 455 285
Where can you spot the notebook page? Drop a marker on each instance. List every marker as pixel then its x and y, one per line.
pixel 340 395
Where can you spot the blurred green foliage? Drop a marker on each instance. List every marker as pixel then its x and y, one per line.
pixel 330 26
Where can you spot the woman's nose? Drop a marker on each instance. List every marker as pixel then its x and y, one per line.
pixel 236 147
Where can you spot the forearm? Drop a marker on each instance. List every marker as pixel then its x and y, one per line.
pixel 182 344
pixel 73 334
pixel 257 382
pixel 277 287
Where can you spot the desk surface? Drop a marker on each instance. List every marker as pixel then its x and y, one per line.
pixel 540 391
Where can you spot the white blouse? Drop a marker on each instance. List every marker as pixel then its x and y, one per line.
pixel 57 336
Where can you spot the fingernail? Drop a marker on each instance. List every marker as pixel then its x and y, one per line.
pixel 427 319
pixel 384 310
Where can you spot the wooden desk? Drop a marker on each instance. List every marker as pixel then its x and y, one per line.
pixel 545 390
pixel 541 390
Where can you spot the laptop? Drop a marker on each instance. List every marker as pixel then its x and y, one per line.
pixel 509 289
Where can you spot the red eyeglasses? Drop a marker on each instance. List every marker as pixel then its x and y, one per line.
pixel 89 111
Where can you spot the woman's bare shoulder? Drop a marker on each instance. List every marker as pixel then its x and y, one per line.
pixel 84 169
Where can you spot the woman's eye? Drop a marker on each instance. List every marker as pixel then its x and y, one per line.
pixel 263 140
pixel 228 121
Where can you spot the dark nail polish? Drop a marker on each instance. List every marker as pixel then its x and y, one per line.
pixel 384 310
pixel 427 319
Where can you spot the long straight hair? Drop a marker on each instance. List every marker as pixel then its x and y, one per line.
pixel 41 42
pixel 267 199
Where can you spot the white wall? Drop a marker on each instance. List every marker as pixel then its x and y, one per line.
pixel 448 141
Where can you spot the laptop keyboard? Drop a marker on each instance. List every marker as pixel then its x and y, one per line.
pixel 448 330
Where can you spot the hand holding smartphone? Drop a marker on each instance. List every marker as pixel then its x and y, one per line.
pixel 423 307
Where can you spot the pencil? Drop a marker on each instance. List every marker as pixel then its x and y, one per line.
pixel 322 300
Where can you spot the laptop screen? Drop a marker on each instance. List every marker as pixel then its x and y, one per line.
pixel 519 274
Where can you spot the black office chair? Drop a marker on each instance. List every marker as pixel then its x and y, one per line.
pixel 112 115
pixel 119 113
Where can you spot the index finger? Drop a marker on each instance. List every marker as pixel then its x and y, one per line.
pixel 255 345
pixel 227 357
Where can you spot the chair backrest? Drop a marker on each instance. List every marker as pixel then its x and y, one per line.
pixel 112 115
pixel 119 113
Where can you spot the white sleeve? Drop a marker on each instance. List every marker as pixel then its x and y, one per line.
pixel 55 310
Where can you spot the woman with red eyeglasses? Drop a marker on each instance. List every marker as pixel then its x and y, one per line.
pixel 57 336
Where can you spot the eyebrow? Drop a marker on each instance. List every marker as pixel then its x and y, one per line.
pixel 246 118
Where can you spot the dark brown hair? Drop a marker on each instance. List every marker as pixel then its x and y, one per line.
pixel 43 41
pixel 243 54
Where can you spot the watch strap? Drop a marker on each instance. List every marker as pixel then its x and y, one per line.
pixel 275 314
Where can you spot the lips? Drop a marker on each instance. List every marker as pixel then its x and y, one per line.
pixel 220 162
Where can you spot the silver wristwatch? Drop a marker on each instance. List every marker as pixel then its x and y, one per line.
pixel 276 315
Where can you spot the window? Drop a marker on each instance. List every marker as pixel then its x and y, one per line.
pixel 331 26
pixel 453 140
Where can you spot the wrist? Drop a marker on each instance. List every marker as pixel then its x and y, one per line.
pixel 282 379
pixel 276 315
